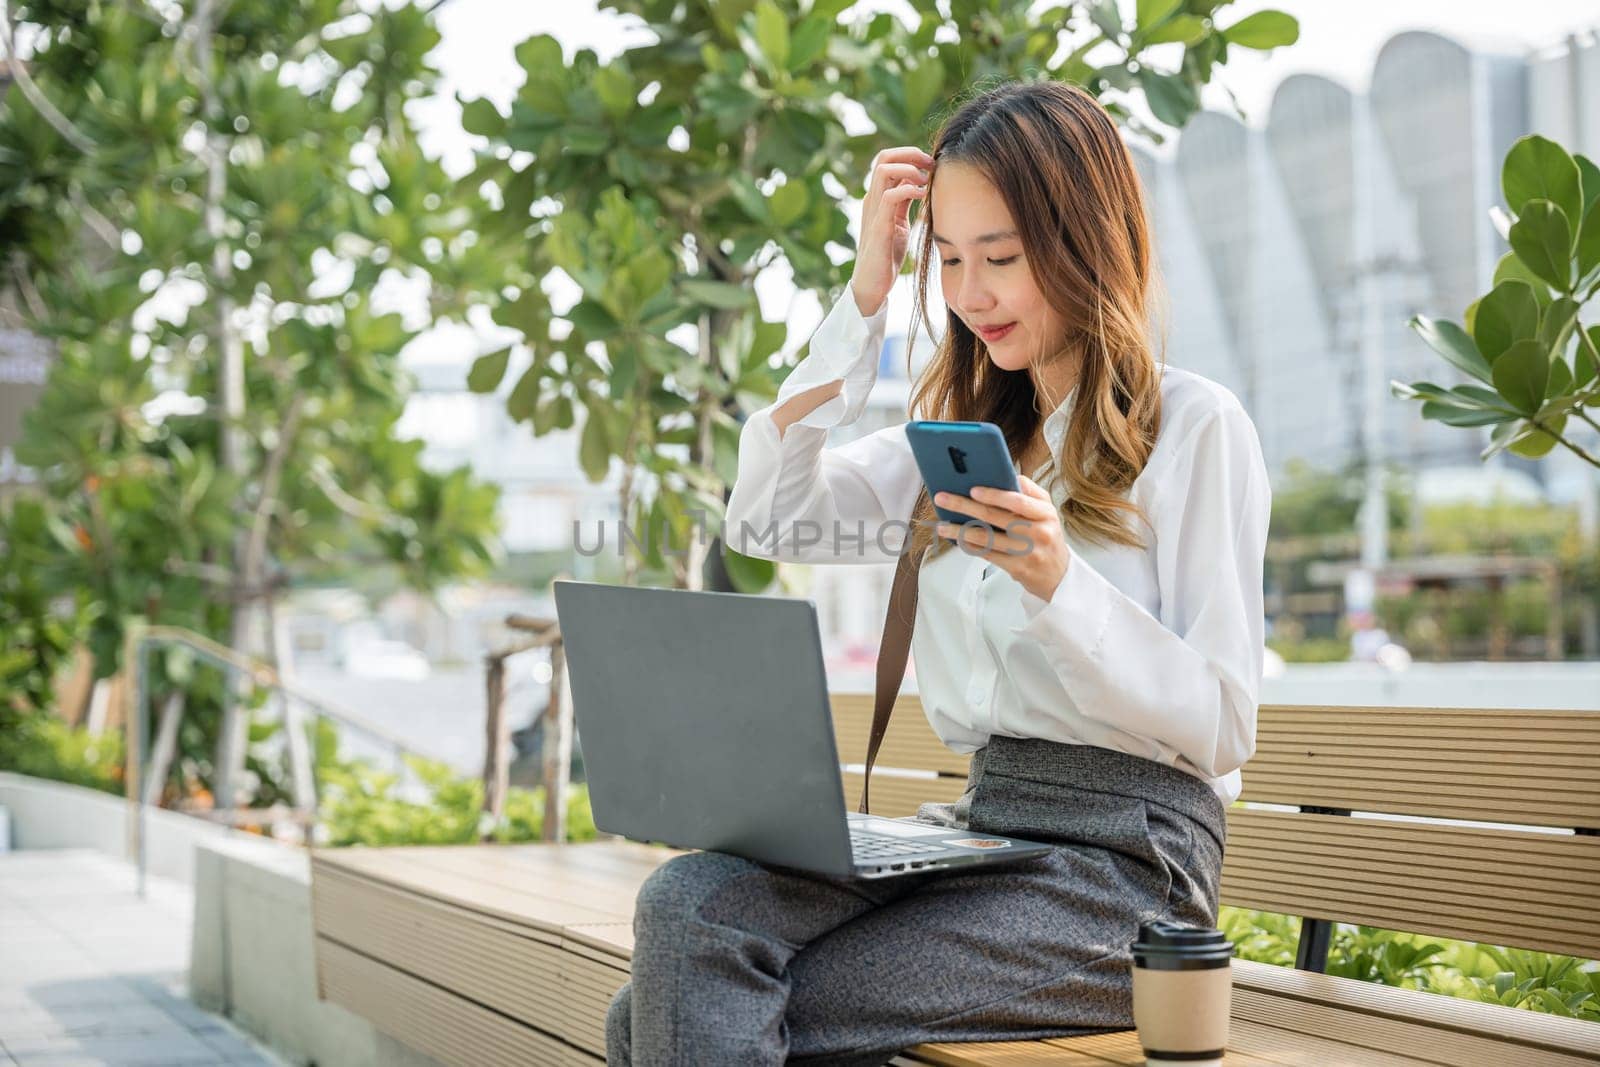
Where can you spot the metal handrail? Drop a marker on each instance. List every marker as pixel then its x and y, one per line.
pixel 138 643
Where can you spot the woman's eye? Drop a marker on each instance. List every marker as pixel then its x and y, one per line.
pixel 996 262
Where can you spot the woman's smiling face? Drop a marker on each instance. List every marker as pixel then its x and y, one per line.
pixel 984 273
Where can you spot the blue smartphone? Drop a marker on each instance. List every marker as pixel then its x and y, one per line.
pixel 955 456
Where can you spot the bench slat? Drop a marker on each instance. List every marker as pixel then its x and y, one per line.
pixel 894 797
pixel 1434 1024
pixel 909 742
pixel 1447 881
pixel 1539 767
pixel 430 1019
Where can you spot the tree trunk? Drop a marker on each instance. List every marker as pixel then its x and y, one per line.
pixel 228 350
pixel 557 730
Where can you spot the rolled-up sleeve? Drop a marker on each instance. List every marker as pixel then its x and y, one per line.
pixel 1190 679
pixel 798 501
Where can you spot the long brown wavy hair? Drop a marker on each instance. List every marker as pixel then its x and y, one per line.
pixel 1056 158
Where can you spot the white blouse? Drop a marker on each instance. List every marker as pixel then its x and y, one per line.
pixel 1153 651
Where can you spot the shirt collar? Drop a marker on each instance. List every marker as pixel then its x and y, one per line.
pixel 1055 431
pixel 1055 423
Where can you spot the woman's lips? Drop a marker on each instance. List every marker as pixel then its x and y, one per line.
pixel 995 335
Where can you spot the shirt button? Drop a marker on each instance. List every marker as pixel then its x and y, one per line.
pixel 974 691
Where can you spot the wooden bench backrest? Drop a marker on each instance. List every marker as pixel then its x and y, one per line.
pixel 1502 885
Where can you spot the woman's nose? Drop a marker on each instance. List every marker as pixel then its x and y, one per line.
pixel 972 297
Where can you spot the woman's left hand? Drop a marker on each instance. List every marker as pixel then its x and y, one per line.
pixel 1029 543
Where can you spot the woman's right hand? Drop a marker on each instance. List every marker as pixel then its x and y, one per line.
pixel 898 176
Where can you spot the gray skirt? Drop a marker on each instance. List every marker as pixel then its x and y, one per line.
pixel 737 961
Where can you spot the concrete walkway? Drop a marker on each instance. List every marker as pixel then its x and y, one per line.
pixel 91 974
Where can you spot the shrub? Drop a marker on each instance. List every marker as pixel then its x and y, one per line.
pixel 37 743
pixel 1517 978
pixel 362 805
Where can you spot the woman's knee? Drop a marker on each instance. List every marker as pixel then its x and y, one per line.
pixel 675 891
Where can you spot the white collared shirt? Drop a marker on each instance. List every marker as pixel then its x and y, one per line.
pixel 1154 651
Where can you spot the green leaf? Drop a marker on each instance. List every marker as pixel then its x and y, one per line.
pixel 594 447
pixel 1560 380
pixel 523 400
pixel 1186 29
pixel 1104 15
pixel 540 52
pixel 1510 268
pixel 624 370
pixel 618 92
pixel 593 320
pixel 1451 415
pixel 772 34
pixel 1589 243
pixel 1521 374
pixel 1152 12
pixel 1535 443
pixel 1264 30
pixel 924 85
pixel 1589 179
pixel 809 41
pixel 1170 96
pixel 717 294
pixel 481 117
pixel 487 370
pixel 1509 313
pixel 1452 342
pixel 1556 329
pixel 1542 238
pixel 830 9
pixel 748 574
pixel 748 197
pixel 1585 369
pixel 789 201
pixel 1537 168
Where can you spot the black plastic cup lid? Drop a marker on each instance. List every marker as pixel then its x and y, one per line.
pixel 1163 940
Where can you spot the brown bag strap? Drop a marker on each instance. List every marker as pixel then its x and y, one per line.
pixel 893 651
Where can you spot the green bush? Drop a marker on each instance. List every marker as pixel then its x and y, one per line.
pixel 1516 978
pixel 37 743
pixel 362 805
pixel 1310 649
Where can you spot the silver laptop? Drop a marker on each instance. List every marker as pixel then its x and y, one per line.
pixel 705 724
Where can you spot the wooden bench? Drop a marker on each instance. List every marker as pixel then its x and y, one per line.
pixel 485 955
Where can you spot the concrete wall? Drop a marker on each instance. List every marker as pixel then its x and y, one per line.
pixel 253 958
pixel 47 814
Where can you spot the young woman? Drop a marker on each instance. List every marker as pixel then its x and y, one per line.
pixel 1104 679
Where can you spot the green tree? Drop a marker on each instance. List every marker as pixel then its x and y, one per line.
pixel 665 181
pixel 200 205
pixel 1535 366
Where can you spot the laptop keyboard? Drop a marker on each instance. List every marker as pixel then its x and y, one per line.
pixel 876 846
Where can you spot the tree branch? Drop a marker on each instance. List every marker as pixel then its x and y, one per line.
pixel 339 498
pixel 256 548
pixel 25 286
pixel 41 103
pixel 103 227
pixel 1577 449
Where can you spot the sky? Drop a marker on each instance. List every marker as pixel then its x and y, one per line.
pixel 1338 38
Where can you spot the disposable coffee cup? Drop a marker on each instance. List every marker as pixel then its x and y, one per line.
pixel 1182 992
